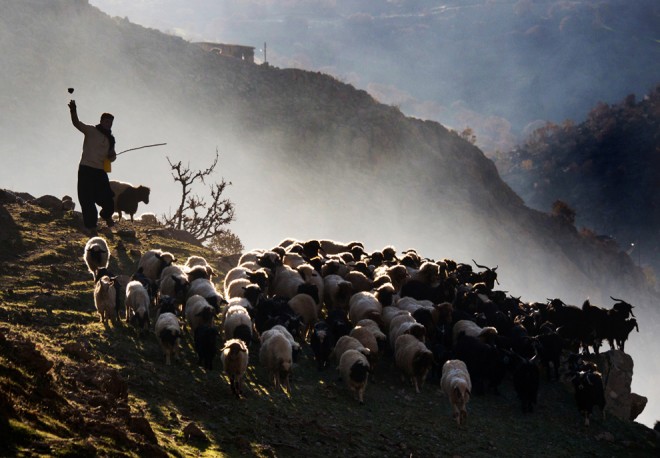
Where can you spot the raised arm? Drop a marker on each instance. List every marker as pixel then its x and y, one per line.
pixel 74 115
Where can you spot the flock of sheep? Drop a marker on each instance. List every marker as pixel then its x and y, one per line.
pixel 437 320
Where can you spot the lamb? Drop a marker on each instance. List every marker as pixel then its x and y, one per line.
pixel 456 384
pixel 238 324
pixel 105 299
pixel 206 337
pixel 276 356
pixel 354 369
pixel 96 254
pixel 235 356
pixel 137 304
pixel 198 312
pixel 153 262
pixel 413 358
pixel 127 197
pixel 168 332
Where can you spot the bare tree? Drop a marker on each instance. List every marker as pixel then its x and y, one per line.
pixel 194 215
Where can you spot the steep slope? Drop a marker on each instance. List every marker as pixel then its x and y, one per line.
pixel 71 386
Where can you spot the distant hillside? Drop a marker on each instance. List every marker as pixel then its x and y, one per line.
pixel 494 66
pixel 606 168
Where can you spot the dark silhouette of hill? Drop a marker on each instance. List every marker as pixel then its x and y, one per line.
pixel 606 168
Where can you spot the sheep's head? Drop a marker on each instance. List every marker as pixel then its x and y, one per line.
pixel 143 194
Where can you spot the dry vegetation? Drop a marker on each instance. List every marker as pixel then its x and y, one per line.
pixel 72 386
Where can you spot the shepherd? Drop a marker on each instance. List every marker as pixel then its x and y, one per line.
pixel 98 151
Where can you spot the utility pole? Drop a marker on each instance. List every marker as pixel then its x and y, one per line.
pixel 265 59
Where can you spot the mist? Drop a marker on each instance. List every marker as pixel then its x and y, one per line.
pixel 275 198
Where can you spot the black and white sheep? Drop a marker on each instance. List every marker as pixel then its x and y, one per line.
pixel 235 356
pixel 205 288
pixel 168 332
pixel 174 283
pixel 354 369
pixel 238 324
pixel 153 262
pixel 127 197
pixel 199 312
pixel 413 358
pixel 96 255
pixel 457 385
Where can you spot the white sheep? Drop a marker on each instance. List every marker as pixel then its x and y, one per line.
pixel 389 312
pixel 295 346
pixel 470 328
pixel 153 262
pixel 312 277
pixel 413 358
pixel 237 324
pixel 428 273
pixel 405 324
pixel 205 288
pixel 285 281
pixel 174 283
pixel 305 306
pixel 374 328
pixel 293 260
pixel 127 197
pixel 105 297
pixel 354 369
pixel 235 288
pixel 96 255
pixel 276 356
pixel 367 339
pixel 345 343
pixel 332 247
pixel 364 305
pixel 456 384
pixel 168 332
pixel 198 312
pixel 137 304
pixel 235 356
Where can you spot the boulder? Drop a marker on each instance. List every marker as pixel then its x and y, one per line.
pixel 617 370
pixel 638 403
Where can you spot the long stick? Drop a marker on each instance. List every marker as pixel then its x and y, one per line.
pixel 140 147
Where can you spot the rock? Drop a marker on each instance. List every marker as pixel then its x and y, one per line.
pixel 48 202
pixel 638 403
pixel 193 431
pixel 77 350
pixel 68 204
pixel 140 425
pixel 605 436
pixel 617 370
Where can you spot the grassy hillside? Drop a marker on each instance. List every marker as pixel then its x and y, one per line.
pixel 70 386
